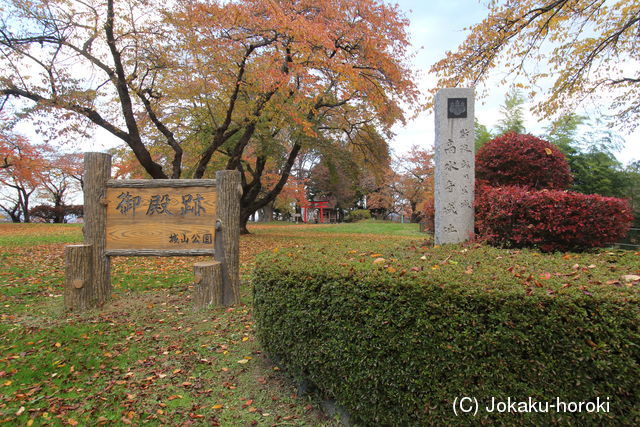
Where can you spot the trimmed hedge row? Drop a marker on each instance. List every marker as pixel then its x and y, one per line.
pixel 395 343
pixel 550 219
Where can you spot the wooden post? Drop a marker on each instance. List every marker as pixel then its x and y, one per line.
pixel 97 171
pixel 229 189
pixel 208 284
pixel 79 291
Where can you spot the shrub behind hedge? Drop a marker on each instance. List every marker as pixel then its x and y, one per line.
pixel 550 219
pixel 524 160
pixel 397 344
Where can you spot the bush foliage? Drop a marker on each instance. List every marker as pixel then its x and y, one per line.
pixel 396 341
pixel 524 160
pixel 519 202
pixel 359 215
pixel 53 214
pixel 550 219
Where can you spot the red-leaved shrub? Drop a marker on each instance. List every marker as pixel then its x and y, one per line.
pixel 550 219
pixel 524 160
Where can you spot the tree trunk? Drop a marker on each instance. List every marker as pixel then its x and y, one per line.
pixel 14 213
pixel 267 212
pixel 245 214
pixel 97 169
pixel 207 284
pixel 79 292
pixel 250 202
pixel 59 209
pixel 24 204
pixel 229 189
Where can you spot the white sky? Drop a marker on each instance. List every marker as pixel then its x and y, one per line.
pixel 438 26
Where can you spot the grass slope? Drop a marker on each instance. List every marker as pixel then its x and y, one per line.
pixel 147 357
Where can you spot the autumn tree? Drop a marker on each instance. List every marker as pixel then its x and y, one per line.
pixel 345 173
pixel 408 185
pixel 20 175
pixel 204 80
pixel 309 73
pixel 587 48
pixel 334 180
pixel 61 176
pixel 384 199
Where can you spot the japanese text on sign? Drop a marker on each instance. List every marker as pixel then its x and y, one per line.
pixel 161 218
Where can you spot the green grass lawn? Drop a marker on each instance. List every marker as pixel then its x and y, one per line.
pixel 373 227
pixel 12 235
pixel 148 357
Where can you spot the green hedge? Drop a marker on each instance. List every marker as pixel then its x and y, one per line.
pixel 396 341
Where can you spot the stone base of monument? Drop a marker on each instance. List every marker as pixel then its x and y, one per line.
pixel 207 284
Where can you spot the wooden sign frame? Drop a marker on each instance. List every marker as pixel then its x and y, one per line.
pixel 176 187
pixel 97 179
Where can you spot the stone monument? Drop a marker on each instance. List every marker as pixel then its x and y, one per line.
pixel 455 165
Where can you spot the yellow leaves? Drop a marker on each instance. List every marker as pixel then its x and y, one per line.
pixel 378 261
pixel 243 361
pixel 548 151
pixel 579 65
pixel 217 406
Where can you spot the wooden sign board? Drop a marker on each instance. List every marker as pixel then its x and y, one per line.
pixel 163 216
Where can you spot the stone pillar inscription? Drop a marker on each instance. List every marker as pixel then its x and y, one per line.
pixel 455 166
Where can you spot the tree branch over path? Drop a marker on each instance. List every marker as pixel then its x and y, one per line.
pixel 581 49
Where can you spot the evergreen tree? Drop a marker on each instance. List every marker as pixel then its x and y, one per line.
pixel 591 157
pixel 482 134
pixel 512 115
